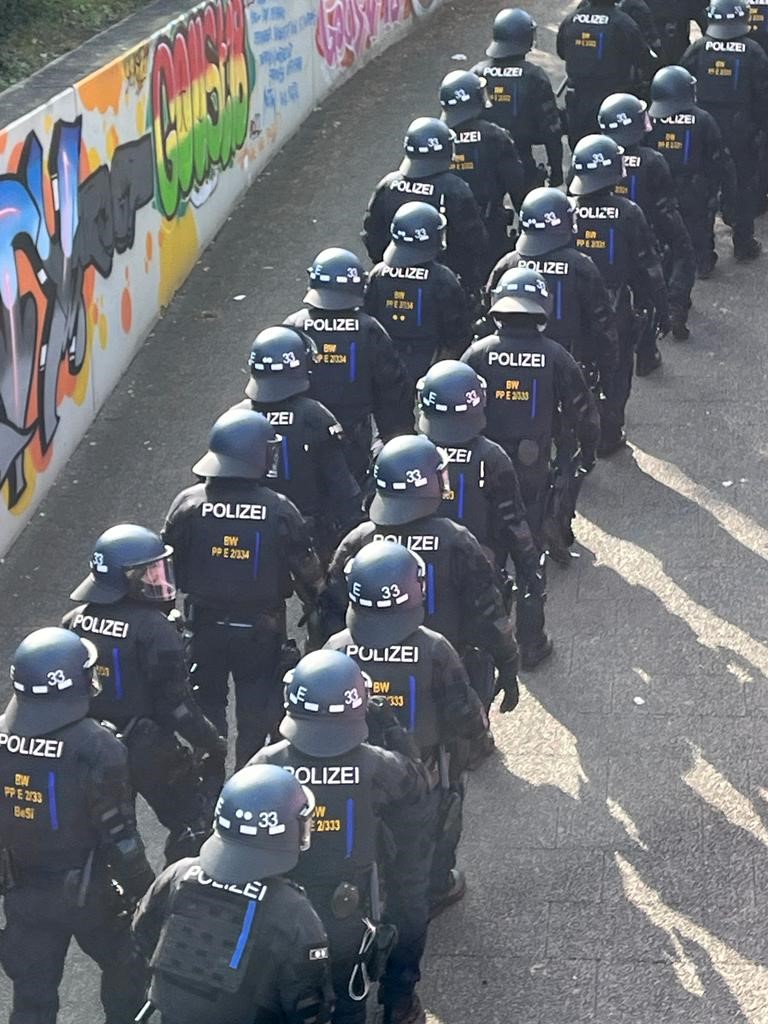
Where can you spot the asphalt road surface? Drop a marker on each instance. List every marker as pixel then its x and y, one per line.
pixel 616 846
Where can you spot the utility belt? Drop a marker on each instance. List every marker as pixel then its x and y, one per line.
pixel 199 614
pixel 361 896
pixel 72 872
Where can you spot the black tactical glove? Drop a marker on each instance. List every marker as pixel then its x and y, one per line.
pixel 588 458
pixel 218 749
pixel 663 325
pixel 506 682
pixel 385 730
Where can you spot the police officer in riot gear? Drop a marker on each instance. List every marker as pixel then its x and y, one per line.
pixel 533 384
pixel 642 15
pixel 463 599
pixel 311 470
pixel 240 551
pixel 673 23
pixel 690 141
pixel 614 232
pixel 604 52
pixel 67 829
pixel 418 299
pixel 422 679
pixel 425 175
pixel 230 938
pixel 521 96
pixel 648 183
pixel 356 372
pixel 484 155
pixel 582 321
pixel 485 492
pixel 145 691
pixel 731 70
pixel 324 746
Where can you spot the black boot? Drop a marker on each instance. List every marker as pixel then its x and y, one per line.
pixel 531 657
pixel 680 331
pixel 647 362
pixel 750 251
pixel 455 891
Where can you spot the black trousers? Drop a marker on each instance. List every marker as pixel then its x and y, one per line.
pixel 618 389
pixel 42 918
pixel 407 888
pixel 251 655
pixel 741 138
pixel 698 209
pixel 344 939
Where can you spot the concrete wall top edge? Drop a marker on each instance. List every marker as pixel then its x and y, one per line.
pixel 41 87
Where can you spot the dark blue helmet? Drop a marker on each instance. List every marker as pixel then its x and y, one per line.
pixel 596 165
pixel 128 561
pixel 411 477
pixel 462 96
pixel 263 820
pixel 242 445
pixel 727 19
pixel 521 290
pixel 326 699
pixel 547 222
pixel 336 280
pixel 673 91
pixel 451 399
pixel 624 118
pixel 280 364
pixel 514 33
pixel 385 583
pixel 428 148
pixel 418 233
pixel 53 678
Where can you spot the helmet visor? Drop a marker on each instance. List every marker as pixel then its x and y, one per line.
pixel 154 581
pixel 306 820
pixel 274 449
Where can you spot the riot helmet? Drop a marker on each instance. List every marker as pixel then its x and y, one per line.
pixel 525 291
pixel 128 561
pixel 624 118
pixel 385 583
pixel 411 476
pixel 336 280
pixel 280 364
pixel 428 148
pixel 673 91
pixel 547 222
pixel 242 445
pixel 596 164
pixel 727 19
pixel 326 698
pixel 514 34
pixel 451 401
pixel 462 96
pixel 54 678
pixel 418 232
pixel 263 820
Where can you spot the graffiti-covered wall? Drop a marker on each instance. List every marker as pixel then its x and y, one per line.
pixel 110 190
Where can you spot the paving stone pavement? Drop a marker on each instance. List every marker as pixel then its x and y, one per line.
pixel 615 846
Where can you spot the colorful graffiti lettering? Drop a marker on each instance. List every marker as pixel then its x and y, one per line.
pixel 347 28
pixel 200 99
pixel 53 229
